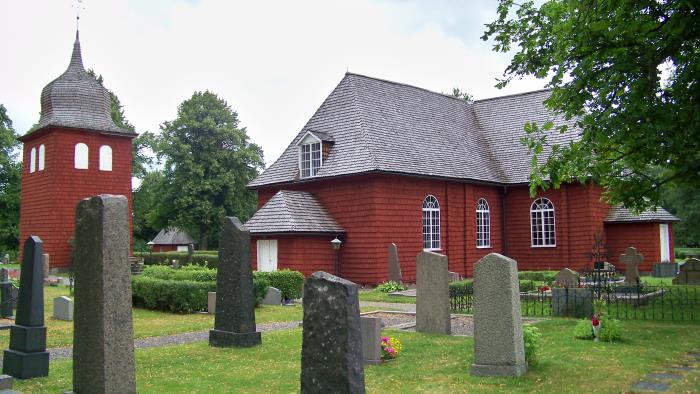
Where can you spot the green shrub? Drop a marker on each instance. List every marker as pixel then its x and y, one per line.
pixel 541 276
pixel 583 329
pixel 462 285
pixel 532 338
pixel 182 296
pixel 210 260
pixel 390 287
pixel 189 272
pixel 527 285
pixel 260 286
pixel 610 330
pixel 289 282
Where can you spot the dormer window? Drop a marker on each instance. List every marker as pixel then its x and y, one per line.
pixel 311 153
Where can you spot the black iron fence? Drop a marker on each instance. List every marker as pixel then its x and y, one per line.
pixel 616 300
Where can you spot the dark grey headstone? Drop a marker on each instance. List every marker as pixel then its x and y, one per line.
pixel 371 339
pixel 394 264
pixel 664 270
pixel 432 294
pixel 5 294
pixel 273 296
pixel 103 337
pixel 27 356
pixel 234 322
pixel 572 302
pixel 499 349
pixel 331 350
pixel 689 273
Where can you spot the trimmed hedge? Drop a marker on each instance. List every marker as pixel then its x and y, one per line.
pixel 166 258
pixel 289 282
pixel 468 285
pixel 194 273
pixel 540 276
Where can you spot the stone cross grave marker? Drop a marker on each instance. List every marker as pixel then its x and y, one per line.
pixel 331 350
pixel 63 308
pixel 394 264
pixel 27 356
pixel 5 293
pixel 689 273
pixel 432 294
pixel 631 259
pixel 234 322
pixel 371 339
pixel 499 349
pixel 103 336
pixel 567 278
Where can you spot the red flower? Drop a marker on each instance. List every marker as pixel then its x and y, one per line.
pixel 594 321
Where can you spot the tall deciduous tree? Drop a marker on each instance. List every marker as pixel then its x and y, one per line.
pixel 10 183
pixel 628 72
pixel 208 162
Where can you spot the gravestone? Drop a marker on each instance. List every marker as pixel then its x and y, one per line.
pixel 499 349
pixel 46 265
pixel 63 308
pixel 5 294
pixel 394 264
pixel 234 322
pixel 190 253
pixel 664 270
pixel 103 336
pixel 631 259
pixel 331 350
pixel 432 294
pixel 211 302
pixel 27 356
pixel 273 296
pixel 689 273
pixel 567 278
pixel 453 276
pixel 572 302
pixel 6 384
pixel 371 339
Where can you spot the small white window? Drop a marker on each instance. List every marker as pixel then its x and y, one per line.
pixel 542 223
pixel 81 156
pixel 32 160
pixel 431 223
pixel 42 153
pixel 483 224
pixel 310 159
pixel 105 158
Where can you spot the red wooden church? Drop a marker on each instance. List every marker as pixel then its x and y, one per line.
pixel 74 152
pixel 382 162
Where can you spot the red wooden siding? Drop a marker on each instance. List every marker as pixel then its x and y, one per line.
pixel 307 254
pixel 645 237
pixel 49 197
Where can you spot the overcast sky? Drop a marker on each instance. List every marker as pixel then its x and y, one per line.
pixel 273 62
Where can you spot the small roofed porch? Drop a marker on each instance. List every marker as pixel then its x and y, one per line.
pixel 294 231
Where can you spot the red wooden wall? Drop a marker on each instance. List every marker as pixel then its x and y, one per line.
pixel 304 253
pixel 645 237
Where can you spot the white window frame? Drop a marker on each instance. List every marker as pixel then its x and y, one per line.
pixel 483 224
pixel 42 157
pixel 32 160
pixel 105 158
pixel 543 234
pixel 82 156
pixel 309 141
pixel 431 223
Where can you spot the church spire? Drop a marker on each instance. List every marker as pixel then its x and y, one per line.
pixel 76 60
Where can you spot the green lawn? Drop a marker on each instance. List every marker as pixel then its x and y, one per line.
pixel 378 296
pixel 429 364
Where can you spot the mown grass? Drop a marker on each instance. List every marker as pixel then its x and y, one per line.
pixel 429 364
pixel 378 296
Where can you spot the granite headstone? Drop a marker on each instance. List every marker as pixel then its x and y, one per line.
pixel 432 294
pixel 689 273
pixel 63 308
pixel 27 356
pixel 499 349
pixel 234 322
pixel 211 302
pixel 5 294
pixel 46 265
pixel 103 340
pixel 664 270
pixel 567 278
pixel 394 264
pixel 371 339
pixel 273 296
pixel 331 350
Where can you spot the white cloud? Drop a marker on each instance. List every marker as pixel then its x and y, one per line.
pixel 274 62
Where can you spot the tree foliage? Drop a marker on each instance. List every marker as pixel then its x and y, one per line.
pixel 208 162
pixel 10 183
pixel 458 93
pixel 627 72
pixel 684 202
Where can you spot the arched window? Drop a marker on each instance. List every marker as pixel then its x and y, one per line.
pixel 32 160
pixel 483 224
pixel 105 158
pixel 542 223
pixel 81 156
pixel 431 223
pixel 42 153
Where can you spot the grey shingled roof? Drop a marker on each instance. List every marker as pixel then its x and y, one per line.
pixel 77 100
pixel 620 214
pixel 380 125
pixel 172 236
pixel 292 212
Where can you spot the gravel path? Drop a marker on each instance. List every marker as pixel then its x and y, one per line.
pixel 389 305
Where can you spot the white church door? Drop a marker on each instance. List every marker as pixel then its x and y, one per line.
pixel 267 255
pixel 665 244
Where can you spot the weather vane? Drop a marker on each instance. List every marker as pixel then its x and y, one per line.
pixel 78 6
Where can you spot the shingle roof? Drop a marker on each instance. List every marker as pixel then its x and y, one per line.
pixel 620 214
pixel 292 211
pixel 76 100
pixel 172 236
pixel 379 125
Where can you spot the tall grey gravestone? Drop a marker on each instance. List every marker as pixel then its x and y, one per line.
pixel 331 350
pixel 103 336
pixel 432 294
pixel 27 356
pixel 5 293
pixel 394 264
pixel 234 322
pixel 499 349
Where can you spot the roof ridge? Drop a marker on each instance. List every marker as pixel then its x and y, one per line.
pixel 481 134
pixel 410 86
pixel 513 95
pixel 289 217
pixel 372 157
